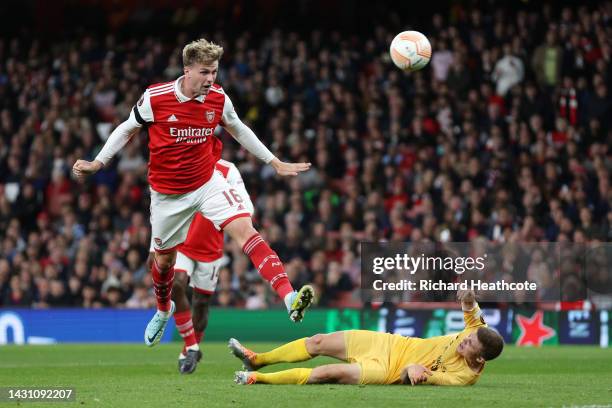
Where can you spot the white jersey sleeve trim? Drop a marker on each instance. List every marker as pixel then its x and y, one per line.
pixel 243 134
pixel 118 138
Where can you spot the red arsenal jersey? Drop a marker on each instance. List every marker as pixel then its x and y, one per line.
pixel 180 133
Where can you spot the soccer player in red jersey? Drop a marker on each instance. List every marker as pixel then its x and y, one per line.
pixel 198 262
pixel 181 117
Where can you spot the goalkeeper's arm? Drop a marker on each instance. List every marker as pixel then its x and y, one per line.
pixel 472 315
pixel 467 299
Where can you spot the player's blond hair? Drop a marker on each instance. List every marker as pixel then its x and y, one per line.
pixel 201 52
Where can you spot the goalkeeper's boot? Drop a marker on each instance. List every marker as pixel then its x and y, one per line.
pixel 244 354
pixel 189 363
pixel 155 329
pixel 300 302
pixel 244 377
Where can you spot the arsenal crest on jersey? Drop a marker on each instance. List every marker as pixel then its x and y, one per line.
pixel 210 115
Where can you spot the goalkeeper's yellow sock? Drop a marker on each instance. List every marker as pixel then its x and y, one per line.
pixel 287 353
pixel 293 376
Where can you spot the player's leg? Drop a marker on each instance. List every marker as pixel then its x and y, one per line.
pixel 184 268
pixel 335 373
pixel 265 260
pixel 200 321
pixel 201 304
pixel 163 278
pixel 170 219
pixel 203 281
pixel 151 261
pixel 325 374
pixel 269 266
pixel 331 345
pixel 179 290
pixel 162 273
pixel 224 206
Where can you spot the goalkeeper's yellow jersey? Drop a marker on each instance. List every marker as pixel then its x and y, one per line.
pixel 439 354
pixel 382 356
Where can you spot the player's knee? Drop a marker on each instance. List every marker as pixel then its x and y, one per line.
pixel 325 374
pixel 315 344
pixel 349 374
pixel 335 373
pixel 200 300
pixel 318 375
pixel 200 325
pixel 331 374
pixel 179 288
pixel 165 261
pixel 181 280
pixel 241 229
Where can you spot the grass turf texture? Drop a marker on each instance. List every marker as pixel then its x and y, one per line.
pixel 135 376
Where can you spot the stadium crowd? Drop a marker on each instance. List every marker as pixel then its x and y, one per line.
pixel 505 136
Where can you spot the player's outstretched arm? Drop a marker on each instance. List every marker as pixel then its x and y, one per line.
pixel 115 142
pixel 247 138
pixel 472 315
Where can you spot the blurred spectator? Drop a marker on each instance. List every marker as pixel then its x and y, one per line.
pixel 508 71
pixel 547 61
pixel 140 298
pixel 257 298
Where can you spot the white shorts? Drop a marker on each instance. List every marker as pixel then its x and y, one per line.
pixel 171 214
pixel 203 275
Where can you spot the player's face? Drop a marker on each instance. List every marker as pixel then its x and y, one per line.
pixel 200 77
pixel 470 347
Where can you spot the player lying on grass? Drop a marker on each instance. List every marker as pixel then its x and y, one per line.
pixel 381 358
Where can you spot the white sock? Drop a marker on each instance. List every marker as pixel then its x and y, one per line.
pixel 193 347
pixel 182 356
pixel 289 299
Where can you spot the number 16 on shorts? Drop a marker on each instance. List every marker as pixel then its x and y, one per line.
pixel 232 197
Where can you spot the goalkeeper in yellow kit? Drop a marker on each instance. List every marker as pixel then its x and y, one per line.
pixel 381 358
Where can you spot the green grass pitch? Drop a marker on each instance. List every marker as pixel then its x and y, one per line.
pixel 135 376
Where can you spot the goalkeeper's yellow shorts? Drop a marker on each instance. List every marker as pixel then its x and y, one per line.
pixel 376 353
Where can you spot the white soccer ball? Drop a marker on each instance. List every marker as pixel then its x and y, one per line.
pixel 410 50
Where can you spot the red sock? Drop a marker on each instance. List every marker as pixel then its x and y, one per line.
pixel 185 327
pixel 268 264
pixel 162 284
